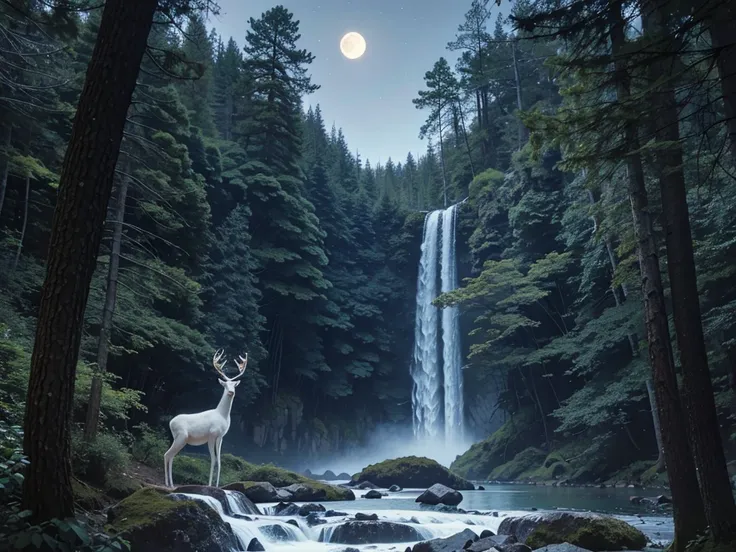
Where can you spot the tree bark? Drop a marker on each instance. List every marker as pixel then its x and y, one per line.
pixel 24 226
pixel 710 460
pixel 687 504
pixel 76 230
pixel 722 25
pixel 108 310
pixel 465 136
pixel 442 158
pixel 633 340
pixel 7 134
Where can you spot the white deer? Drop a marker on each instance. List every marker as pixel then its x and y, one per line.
pixel 208 427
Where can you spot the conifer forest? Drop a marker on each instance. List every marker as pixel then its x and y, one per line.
pixel 544 297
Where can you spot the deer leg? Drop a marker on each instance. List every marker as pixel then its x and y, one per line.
pixel 178 444
pixel 218 449
pixel 211 445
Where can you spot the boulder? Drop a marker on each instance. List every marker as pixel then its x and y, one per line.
pixel 255 546
pixel 480 488
pixel 366 517
pixel 373 494
pixel 152 522
pixel 259 491
pixel 458 541
pixel 334 513
pixel 394 489
pixel 307 509
pixel 502 543
pixel 286 509
pixel 315 519
pixel 275 532
pixel 411 472
pixel 590 531
pixel 372 532
pixel 487 533
pixel 293 522
pixel 440 494
pixel 317 492
pixel 563 547
pixel 367 485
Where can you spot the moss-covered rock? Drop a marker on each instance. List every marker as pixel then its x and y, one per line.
pixel 590 531
pixel 411 472
pixel 526 461
pixel 518 433
pixel 153 522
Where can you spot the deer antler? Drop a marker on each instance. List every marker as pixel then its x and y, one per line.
pixel 219 365
pixel 241 365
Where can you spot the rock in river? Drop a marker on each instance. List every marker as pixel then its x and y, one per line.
pixel 439 494
pixel 373 494
pixel 411 472
pixel 259 491
pixel 371 532
pixel 152 521
pixel 589 531
pixel 458 541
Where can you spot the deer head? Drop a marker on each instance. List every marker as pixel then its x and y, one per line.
pixel 229 383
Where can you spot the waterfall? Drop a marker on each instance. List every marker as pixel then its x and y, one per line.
pixel 438 383
pixel 426 395
pixel 451 353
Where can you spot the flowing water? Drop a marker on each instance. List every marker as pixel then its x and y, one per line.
pixel 427 395
pixel 451 352
pixel 496 503
pixel 438 382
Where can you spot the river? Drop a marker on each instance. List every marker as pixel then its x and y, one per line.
pixel 496 502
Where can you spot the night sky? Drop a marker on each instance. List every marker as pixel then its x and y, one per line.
pixel 370 98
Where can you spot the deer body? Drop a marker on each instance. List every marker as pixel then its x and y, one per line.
pixel 208 427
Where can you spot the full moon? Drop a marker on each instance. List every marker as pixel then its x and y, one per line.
pixel 352 45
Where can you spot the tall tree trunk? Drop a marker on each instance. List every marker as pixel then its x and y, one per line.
pixel 76 230
pixel 722 23
pixel 5 164
pixel 108 310
pixel 442 159
pixel 687 504
pixel 715 485
pixel 24 226
pixel 519 105
pixel 465 136
pixel 660 465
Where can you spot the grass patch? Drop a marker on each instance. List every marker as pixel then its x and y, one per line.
pixel 510 439
pixel 526 461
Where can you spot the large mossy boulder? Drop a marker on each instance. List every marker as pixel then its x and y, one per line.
pixel 590 531
pixel 411 472
pixel 517 434
pixel 153 522
pixel 259 491
pixel 372 532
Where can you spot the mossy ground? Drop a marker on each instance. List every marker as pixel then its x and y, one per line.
pixel 411 472
pixel 144 507
pixel 598 535
pixel 706 544
pixel 195 470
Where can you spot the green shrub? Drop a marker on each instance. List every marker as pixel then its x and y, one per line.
pixel 190 470
pixel 99 460
pixel 150 445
